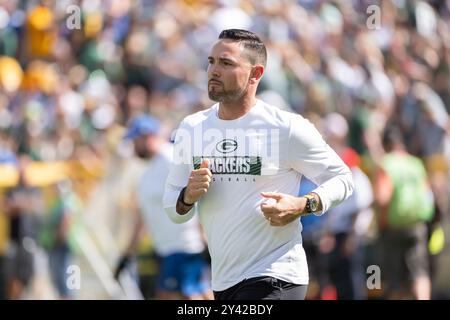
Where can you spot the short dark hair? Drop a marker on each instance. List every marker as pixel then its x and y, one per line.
pixel 254 47
pixel 392 136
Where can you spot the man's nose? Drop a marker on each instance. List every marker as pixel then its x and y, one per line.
pixel 214 71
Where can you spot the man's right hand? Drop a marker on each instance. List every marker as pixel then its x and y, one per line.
pixel 198 184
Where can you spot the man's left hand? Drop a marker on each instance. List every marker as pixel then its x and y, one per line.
pixel 286 209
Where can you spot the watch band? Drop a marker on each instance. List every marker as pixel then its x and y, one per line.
pixel 181 198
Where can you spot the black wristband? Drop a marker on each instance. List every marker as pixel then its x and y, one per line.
pixel 181 198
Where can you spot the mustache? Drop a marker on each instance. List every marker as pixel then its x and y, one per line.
pixel 214 81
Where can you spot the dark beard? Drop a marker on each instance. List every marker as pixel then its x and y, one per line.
pixel 142 153
pixel 227 96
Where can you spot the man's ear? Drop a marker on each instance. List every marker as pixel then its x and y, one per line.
pixel 256 73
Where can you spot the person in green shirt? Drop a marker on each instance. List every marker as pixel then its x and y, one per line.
pixel 405 203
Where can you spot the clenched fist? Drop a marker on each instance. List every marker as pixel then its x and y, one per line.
pixel 286 208
pixel 198 184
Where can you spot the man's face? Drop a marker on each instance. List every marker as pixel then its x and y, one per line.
pixel 140 147
pixel 228 72
pixel 146 146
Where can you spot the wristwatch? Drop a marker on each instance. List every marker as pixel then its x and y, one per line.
pixel 312 205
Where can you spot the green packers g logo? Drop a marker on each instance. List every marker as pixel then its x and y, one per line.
pixel 226 146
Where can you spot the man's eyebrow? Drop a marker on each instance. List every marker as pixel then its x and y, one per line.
pixel 226 59
pixel 222 59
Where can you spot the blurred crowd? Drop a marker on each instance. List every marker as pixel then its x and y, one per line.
pixel 73 73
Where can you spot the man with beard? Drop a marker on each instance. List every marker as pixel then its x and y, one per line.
pixel 183 270
pixel 251 217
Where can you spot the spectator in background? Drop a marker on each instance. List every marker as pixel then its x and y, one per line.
pixel 8 163
pixel 4 237
pixel 20 206
pixel 314 242
pixel 348 223
pixel 183 270
pixel 405 204
pixel 55 236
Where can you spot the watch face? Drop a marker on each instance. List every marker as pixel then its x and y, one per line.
pixel 313 205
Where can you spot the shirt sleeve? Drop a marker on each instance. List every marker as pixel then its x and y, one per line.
pixel 179 171
pixel 311 156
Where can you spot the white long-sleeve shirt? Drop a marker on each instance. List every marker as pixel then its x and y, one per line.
pixel 266 150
